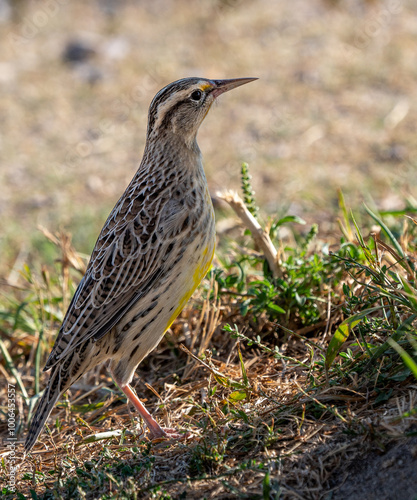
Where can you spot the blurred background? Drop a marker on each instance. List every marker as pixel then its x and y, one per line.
pixel 334 106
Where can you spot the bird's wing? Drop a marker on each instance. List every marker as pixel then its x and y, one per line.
pixel 131 254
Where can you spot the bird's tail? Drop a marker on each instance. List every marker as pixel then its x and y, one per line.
pixel 56 386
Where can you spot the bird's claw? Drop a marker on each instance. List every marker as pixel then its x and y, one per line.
pixel 168 433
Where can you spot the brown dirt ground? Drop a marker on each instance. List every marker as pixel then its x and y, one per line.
pixel 387 475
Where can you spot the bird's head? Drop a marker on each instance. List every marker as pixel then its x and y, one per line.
pixel 181 106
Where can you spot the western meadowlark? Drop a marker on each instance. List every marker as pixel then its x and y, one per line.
pixel 154 249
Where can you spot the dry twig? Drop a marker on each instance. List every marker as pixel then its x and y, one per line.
pixel 261 237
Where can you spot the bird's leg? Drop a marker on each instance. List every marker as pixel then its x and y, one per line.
pixel 155 429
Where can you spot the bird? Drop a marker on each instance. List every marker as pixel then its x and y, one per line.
pixel 151 254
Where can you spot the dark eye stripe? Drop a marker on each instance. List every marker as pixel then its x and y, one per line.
pixel 163 96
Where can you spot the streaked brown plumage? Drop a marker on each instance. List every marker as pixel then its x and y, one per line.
pixel 152 252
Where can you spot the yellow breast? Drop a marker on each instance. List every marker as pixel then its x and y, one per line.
pixel 193 279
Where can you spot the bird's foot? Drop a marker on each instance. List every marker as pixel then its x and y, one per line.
pixel 155 430
pixel 167 433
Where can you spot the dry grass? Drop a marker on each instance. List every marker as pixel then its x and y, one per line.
pixel 333 108
pixel 262 422
pixel 301 437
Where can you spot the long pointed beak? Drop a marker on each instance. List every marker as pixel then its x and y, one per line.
pixel 223 86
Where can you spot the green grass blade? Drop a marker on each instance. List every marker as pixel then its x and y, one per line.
pixel 401 331
pixel 346 226
pixel 410 292
pixel 38 353
pixel 342 334
pixel 387 231
pixel 12 368
pixel 266 486
pixel 408 360
pixel 289 219
pixel 358 231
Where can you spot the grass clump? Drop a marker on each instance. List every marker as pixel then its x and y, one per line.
pixel 294 350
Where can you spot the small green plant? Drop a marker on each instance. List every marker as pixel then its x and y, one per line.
pixel 291 350
pixel 248 192
pixel 380 305
pixel 293 294
pixel 207 456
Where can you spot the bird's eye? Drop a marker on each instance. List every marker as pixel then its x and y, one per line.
pixel 196 95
